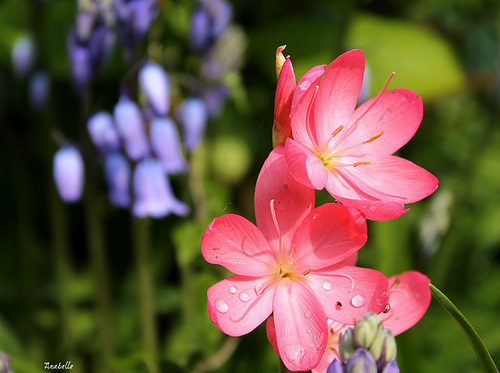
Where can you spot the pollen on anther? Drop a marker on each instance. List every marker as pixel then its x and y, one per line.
pixel 360 163
pixel 307 272
pixel 336 132
pixel 373 138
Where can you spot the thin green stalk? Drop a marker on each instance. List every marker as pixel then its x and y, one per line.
pixel 482 353
pixel 141 241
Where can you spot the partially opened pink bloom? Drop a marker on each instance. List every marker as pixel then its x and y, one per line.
pixel 409 299
pixel 292 264
pixel 348 150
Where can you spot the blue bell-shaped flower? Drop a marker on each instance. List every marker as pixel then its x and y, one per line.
pixel 69 171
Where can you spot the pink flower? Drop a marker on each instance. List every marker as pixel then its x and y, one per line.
pixel 348 150
pixel 409 299
pixel 292 264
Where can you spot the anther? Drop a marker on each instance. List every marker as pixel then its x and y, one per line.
pixel 307 272
pixel 360 163
pixel 373 138
pixel 336 132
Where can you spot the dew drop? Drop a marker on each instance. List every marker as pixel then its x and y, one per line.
pixel 404 97
pixel 307 314
pixel 304 84
pixel 358 301
pixel 295 353
pixel 232 289
pixel 387 308
pixel 221 306
pixel 327 285
pixel 244 297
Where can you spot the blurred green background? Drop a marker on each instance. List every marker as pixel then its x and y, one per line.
pixel 447 51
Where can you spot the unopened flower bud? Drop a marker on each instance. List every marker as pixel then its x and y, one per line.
pixel 361 361
pixel 166 145
pixel 346 344
pixel 130 126
pixel 384 347
pixel 335 367
pixel 193 116
pixel 366 330
pixel 117 170
pixel 23 55
pixel 103 132
pixel 280 59
pixel 68 171
pixel 153 195
pixel 391 367
pixel 154 84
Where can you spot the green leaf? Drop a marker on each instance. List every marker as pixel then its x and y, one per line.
pixel 422 60
pixel 483 355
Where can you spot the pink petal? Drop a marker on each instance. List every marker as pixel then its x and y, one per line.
pixel 347 293
pixel 305 166
pixel 330 234
pixel 281 203
pixel 271 334
pixel 394 117
pixel 409 299
pixel 301 330
pixel 376 210
pixel 237 306
pixel 235 243
pixel 307 80
pixel 283 103
pixel 338 94
pixel 390 178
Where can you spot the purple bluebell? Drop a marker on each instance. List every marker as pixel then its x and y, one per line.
pixel 68 169
pixel 130 126
pixel 23 55
pixel 210 20
pixel 100 45
pixel 39 90
pixel 166 145
pixel 4 363
pixel 193 116
pixel 153 194
pixel 214 97
pixel 361 361
pixel 134 18
pixel 103 133
pixel 335 367
pixel 80 62
pixel 85 20
pixel 154 84
pixel 117 171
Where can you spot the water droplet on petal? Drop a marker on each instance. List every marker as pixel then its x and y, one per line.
pixel 327 285
pixel 304 84
pixel 387 308
pixel 404 97
pixel 307 314
pixel 221 306
pixel 295 353
pixel 358 301
pixel 244 297
pixel 232 289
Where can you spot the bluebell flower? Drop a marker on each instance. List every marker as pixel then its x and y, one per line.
pixel 193 116
pixel 117 171
pixel 134 18
pixel 153 194
pixel 68 169
pixel 210 20
pixel 103 133
pixel 130 126
pixel 166 145
pixel 39 90
pixel 154 84
pixel 23 55
pixel 80 62
pixel 100 45
pixel 361 361
pixel 214 97
pixel 335 367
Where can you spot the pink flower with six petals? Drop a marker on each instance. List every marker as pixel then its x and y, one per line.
pixel 409 298
pixel 292 264
pixel 348 150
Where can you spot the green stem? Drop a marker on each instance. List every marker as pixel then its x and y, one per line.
pixel 484 357
pixel 141 242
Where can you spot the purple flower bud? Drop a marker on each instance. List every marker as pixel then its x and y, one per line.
pixel 103 132
pixel 222 13
pixel 84 24
pixel 166 145
pixel 80 62
pixel 391 367
pixel 199 30
pixel 193 116
pixel 153 195
pixel 23 56
pixel 361 361
pixel 130 125
pixel 117 172
pixel 69 172
pixel 210 20
pixel 154 84
pixel 39 89
pixel 335 367
pixel 4 363
pixel 134 19
pixel 100 45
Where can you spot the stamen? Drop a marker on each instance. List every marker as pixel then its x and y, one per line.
pixel 339 128
pixel 276 225
pixel 360 163
pixel 294 249
pixel 307 272
pixel 373 138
